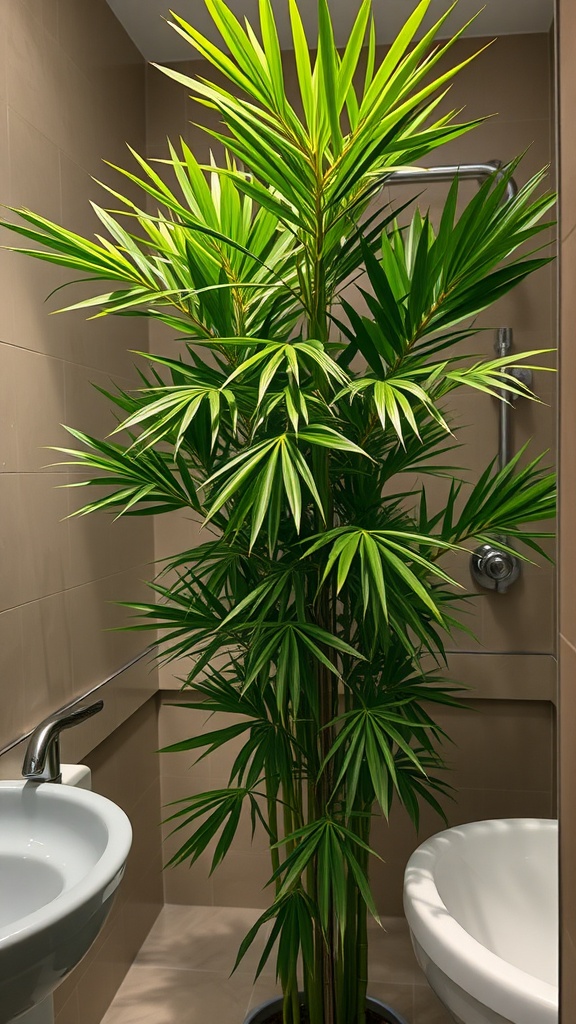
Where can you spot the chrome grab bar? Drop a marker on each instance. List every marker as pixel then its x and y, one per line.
pixel 473 172
pixel 83 696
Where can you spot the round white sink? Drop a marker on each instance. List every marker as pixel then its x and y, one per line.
pixel 62 857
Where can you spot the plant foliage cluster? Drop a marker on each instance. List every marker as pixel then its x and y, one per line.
pixel 285 421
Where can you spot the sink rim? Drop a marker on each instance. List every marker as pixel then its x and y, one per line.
pixel 98 878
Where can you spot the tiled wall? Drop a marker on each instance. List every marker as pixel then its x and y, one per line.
pixel 72 92
pixel 567 552
pixel 511 664
pixel 501 765
pixel 124 768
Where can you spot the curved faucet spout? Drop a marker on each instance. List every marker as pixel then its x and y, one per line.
pixel 42 757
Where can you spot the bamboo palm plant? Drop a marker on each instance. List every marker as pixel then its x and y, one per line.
pixel 284 421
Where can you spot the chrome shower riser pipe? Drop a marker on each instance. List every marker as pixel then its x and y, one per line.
pixel 502 348
pixel 492 568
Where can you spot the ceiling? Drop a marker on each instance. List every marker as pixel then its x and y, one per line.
pixel 144 20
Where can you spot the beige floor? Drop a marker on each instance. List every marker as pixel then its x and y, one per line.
pixel 182 973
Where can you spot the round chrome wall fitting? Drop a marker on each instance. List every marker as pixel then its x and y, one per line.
pixel 493 568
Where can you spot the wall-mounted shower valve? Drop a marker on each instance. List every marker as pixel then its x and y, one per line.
pixel 494 569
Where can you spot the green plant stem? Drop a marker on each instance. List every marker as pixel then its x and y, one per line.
pixel 349 952
pixel 272 814
pixel 291 1003
pixel 362 925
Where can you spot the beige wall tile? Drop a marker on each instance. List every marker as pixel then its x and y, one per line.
pixel 181 789
pixel 5 153
pixel 176 532
pixel 191 886
pixel 31 282
pixel 44 530
pixel 102 544
pixel 525 58
pixel 524 619
pixel 175 724
pixel 133 687
pixel 32 93
pixel 241 880
pixel 567 101
pixel 143 880
pixel 504 676
pixel 140 913
pixel 6 306
pixel 135 744
pixel 9 403
pixel 77 188
pixel 166 115
pixel 85 33
pixel 48 680
pixel 11 542
pixel 67 68
pixel 122 696
pixel 3 42
pixel 29 150
pixel 40 379
pixel 518 736
pixel 567 564
pixel 567 820
pixel 86 408
pixel 12 682
pixel 99 649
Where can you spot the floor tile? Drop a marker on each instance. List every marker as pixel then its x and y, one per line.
pixel 203 939
pixel 428 1009
pixel 182 972
pixel 391 958
pixel 160 995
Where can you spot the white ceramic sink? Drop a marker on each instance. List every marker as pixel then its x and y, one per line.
pixel 62 857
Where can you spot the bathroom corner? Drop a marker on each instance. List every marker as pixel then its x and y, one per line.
pixel 74 89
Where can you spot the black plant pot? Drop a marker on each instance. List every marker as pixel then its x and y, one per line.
pixel 261 1014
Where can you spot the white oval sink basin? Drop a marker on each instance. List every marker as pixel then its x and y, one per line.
pixel 62 857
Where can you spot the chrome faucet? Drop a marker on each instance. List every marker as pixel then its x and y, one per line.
pixel 42 757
